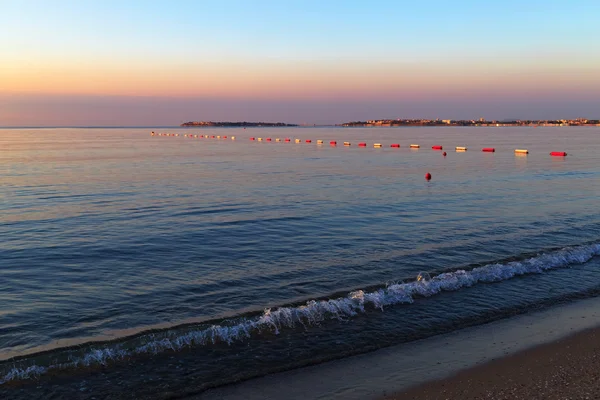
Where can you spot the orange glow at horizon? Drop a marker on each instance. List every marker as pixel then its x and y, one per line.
pixel 299 80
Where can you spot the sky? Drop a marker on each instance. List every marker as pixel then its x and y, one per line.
pixel 161 63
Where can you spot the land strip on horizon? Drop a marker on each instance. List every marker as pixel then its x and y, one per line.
pixel 407 122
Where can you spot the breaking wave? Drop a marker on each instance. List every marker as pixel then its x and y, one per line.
pixel 315 311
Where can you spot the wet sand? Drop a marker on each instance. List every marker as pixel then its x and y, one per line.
pixel 566 369
pixel 546 354
pixel 506 359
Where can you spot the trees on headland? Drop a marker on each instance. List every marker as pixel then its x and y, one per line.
pixel 479 122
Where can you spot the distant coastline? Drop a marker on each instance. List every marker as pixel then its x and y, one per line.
pixel 404 122
pixel 235 124
pixel 472 122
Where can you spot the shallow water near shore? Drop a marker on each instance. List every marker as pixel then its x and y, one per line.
pixel 389 372
pixel 175 264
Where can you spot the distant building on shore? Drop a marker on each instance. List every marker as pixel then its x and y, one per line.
pixel 480 122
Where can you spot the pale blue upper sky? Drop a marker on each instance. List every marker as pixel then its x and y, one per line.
pixel 119 41
pixel 297 29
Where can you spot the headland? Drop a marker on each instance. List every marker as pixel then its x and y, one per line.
pixel 472 122
pixel 481 122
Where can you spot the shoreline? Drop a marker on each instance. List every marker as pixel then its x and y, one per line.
pixel 563 369
pixel 407 371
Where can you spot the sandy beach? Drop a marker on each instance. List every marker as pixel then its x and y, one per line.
pixel 565 369
pixel 546 354
pixel 285 200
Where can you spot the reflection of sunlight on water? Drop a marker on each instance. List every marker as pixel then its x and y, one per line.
pixel 489 160
pixel 521 161
pixel 194 225
pixel 559 163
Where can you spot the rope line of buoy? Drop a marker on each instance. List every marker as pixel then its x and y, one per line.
pixel 360 144
pixel 333 143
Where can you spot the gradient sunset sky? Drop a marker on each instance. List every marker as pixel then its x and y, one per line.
pixel 121 63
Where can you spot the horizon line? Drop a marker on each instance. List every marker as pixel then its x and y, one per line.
pixel 304 124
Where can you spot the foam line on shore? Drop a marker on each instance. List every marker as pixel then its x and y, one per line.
pixel 394 369
pixel 316 311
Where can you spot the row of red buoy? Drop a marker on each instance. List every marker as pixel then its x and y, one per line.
pixel 360 144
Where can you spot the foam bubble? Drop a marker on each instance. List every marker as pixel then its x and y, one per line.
pixel 316 311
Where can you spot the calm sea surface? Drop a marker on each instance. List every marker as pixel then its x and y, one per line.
pixel 195 262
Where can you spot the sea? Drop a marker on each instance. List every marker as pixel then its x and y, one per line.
pixel 135 265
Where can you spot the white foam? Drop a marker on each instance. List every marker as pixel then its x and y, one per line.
pixel 317 311
pixel 32 371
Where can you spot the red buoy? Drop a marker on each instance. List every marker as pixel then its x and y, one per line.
pixel 362 144
pixel 224 137
pixel 396 145
pixel 428 176
pixel 333 143
pixel 287 139
pixel 444 154
pixel 268 139
pixel 308 141
pixel 212 137
pixel 436 147
pixel 251 137
pixel 558 154
pixel 489 149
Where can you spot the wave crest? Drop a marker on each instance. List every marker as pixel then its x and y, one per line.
pixel 316 311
